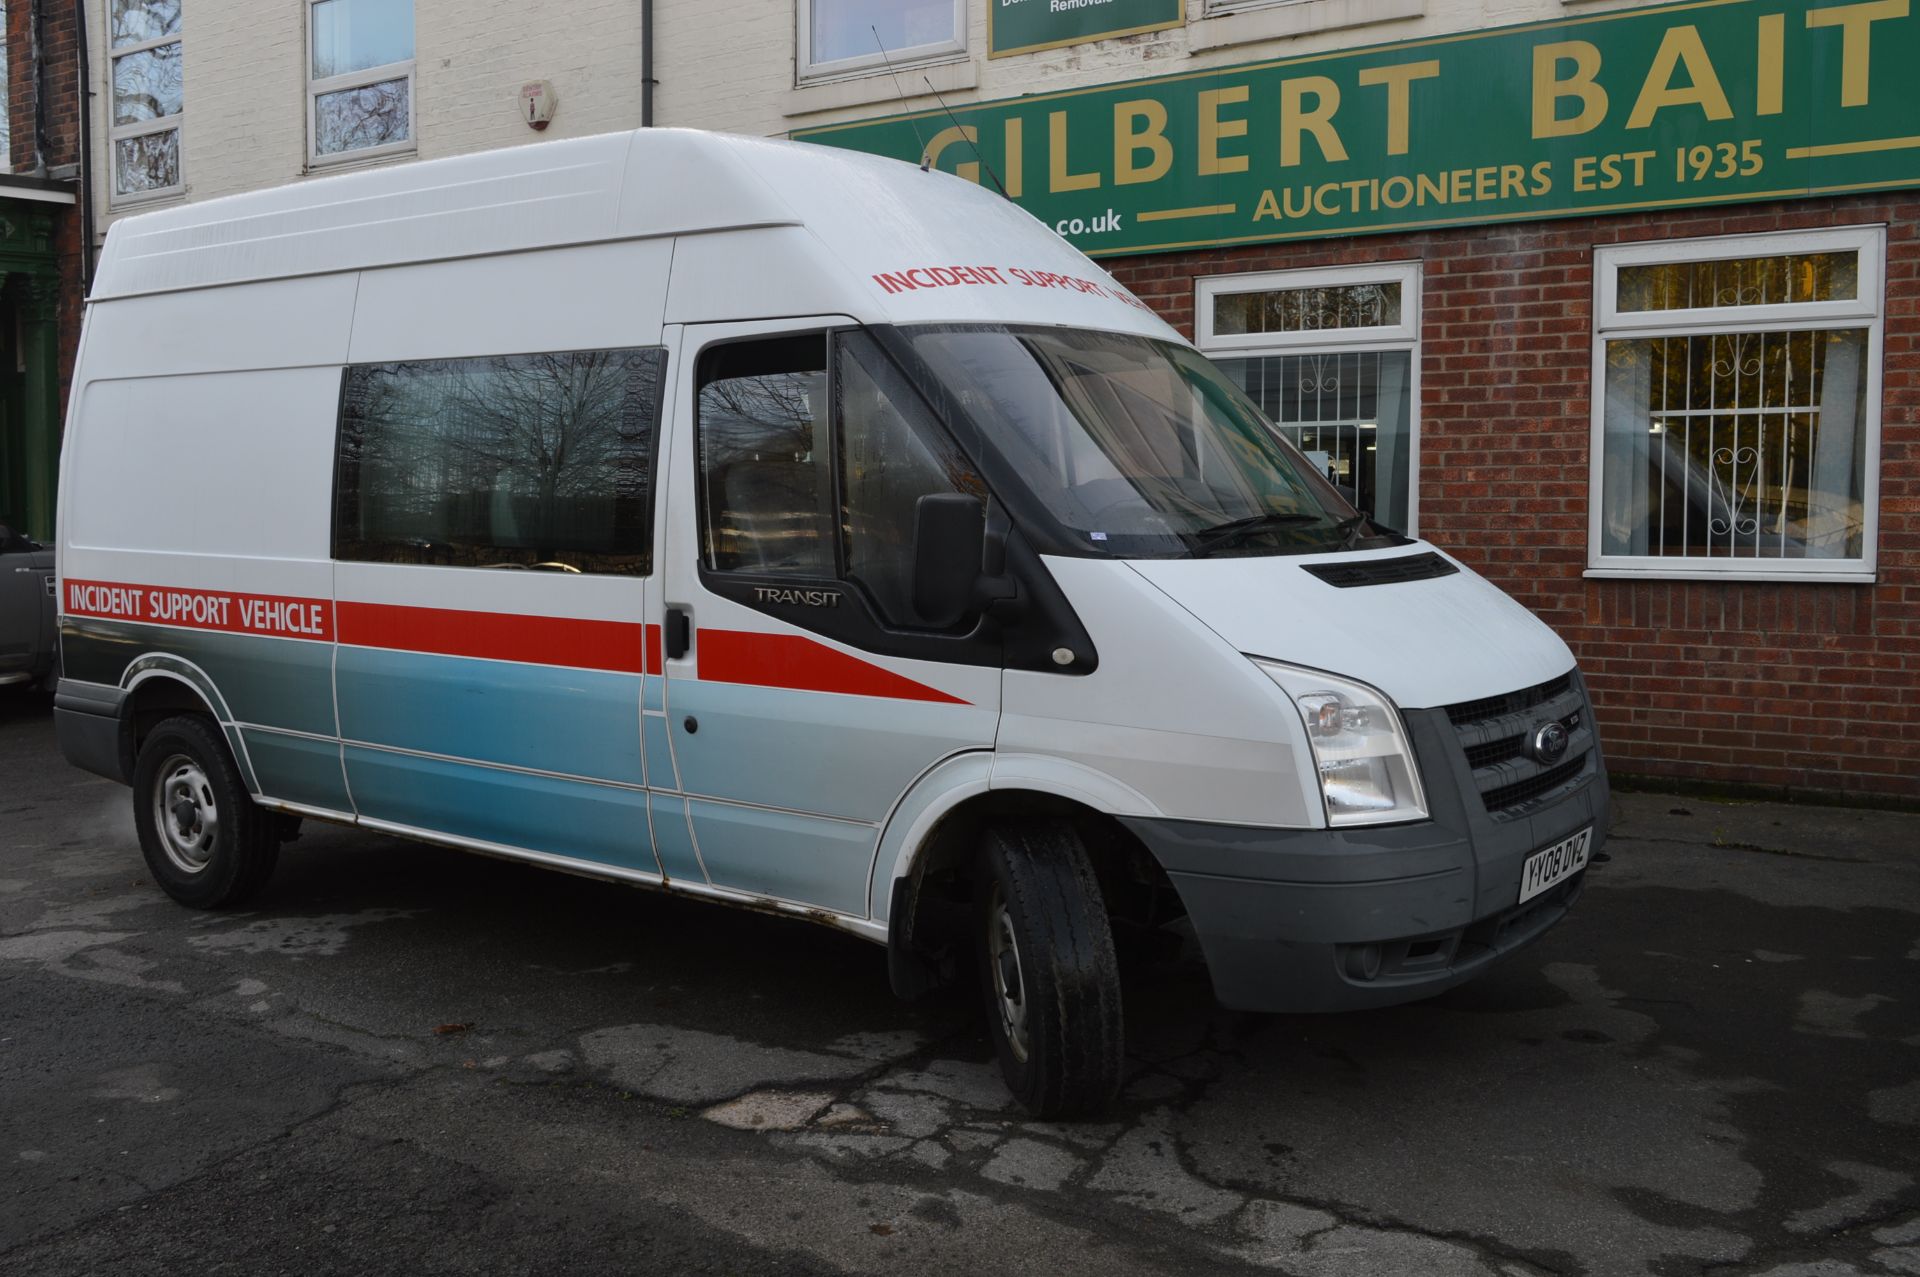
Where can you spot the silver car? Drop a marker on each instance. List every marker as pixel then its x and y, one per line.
pixel 27 653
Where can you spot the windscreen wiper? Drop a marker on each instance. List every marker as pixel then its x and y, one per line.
pixel 1235 531
pixel 1348 530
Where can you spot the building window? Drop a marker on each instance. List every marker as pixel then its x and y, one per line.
pixel 508 461
pixel 360 85
pixel 147 97
pixel 1332 357
pixel 838 37
pixel 1736 406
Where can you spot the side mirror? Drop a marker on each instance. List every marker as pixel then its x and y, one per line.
pixel 949 538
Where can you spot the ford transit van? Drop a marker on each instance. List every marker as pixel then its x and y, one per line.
pixel 792 529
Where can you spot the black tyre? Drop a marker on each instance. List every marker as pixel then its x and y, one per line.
pixel 1048 972
pixel 205 841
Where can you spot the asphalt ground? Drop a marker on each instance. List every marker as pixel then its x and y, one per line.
pixel 402 1058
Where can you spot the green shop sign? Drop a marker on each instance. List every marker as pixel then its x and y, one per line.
pixel 1024 26
pixel 1681 104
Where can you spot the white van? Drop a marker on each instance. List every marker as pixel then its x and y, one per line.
pixel 794 529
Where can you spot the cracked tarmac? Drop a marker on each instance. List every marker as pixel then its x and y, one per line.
pixel 405 1058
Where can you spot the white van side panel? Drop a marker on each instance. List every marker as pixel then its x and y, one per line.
pixel 220 466
pixel 290 323
pixel 592 297
pixel 770 273
pixel 199 420
pixel 196 547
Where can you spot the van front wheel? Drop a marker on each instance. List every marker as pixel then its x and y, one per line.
pixel 205 842
pixel 1047 970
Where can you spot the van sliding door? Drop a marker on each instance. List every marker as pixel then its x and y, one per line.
pixel 493 528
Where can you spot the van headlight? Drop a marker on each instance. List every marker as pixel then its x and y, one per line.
pixel 1360 747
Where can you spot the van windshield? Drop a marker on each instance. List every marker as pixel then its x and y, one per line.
pixel 1132 447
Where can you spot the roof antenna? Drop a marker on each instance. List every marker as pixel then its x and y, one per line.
pixel 926 160
pixel 970 142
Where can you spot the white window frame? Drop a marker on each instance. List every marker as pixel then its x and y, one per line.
pixel 807 71
pixel 117 133
pixel 1867 309
pixel 402 70
pixel 1403 336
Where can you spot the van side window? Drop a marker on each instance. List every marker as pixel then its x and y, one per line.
pixel 763 458
pixel 507 461
pixel 817 474
pixel 891 455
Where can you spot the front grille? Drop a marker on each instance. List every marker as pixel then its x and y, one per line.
pixel 1408 567
pixel 1495 735
pixel 1498 751
pixel 1539 783
pixel 1507 748
pixel 1511 703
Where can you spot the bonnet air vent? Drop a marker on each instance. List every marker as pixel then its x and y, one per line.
pixel 1410 567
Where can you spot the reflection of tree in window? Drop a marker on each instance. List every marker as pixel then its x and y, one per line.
pixel 353 119
pixel 768 489
pixel 149 162
pixel 136 21
pixel 892 454
pixel 147 85
pixel 515 459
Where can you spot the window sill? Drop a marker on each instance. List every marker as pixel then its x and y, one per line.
pixel 1304 17
pixel 1698 574
pixel 867 87
pixel 360 159
pixel 145 200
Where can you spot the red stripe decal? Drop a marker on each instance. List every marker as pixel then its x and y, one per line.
pixel 616 646
pixel 800 664
pixel 221 610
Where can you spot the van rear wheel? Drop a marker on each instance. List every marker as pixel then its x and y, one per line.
pixel 1048 972
pixel 205 842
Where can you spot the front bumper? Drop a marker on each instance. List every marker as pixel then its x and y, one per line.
pixel 1343 919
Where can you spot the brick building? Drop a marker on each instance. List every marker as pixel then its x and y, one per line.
pixel 1618 301
pixel 1597 302
pixel 1806 686
pixel 40 256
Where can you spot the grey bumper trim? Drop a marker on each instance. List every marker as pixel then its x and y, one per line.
pixel 1286 917
pixel 87 726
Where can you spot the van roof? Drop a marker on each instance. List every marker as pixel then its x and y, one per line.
pixel 536 196
pixel 884 240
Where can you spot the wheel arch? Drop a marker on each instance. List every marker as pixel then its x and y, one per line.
pixel 160 686
pixel 924 872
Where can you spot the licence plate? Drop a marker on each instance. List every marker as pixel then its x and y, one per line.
pixel 1554 864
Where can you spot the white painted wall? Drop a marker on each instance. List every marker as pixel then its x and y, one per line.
pixel 729 64
pixel 244 65
pixel 721 64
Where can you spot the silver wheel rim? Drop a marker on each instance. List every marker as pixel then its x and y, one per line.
pixel 185 814
pixel 1009 980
